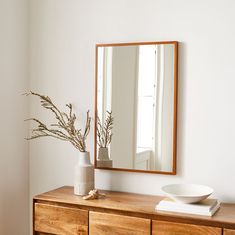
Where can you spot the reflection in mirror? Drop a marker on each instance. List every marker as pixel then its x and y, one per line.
pixel 138 83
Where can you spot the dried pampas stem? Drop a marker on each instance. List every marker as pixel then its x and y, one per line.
pixel 64 127
pixel 104 132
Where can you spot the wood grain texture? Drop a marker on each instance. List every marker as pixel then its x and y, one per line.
pixel 39 233
pixel 106 224
pixel 136 205
pixel 60 220
pixel 174 167
pixel 229 232
pixel 169 228
pixel 134 43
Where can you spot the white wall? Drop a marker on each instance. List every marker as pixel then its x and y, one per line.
pixel 64 34
pixel 14 181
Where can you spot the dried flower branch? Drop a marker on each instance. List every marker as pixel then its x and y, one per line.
pixel 64 128
pixel 104 132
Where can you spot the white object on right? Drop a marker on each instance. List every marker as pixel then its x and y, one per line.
pixel 206 207
pixel 187 193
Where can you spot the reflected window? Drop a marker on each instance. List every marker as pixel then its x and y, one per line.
pixel 146 97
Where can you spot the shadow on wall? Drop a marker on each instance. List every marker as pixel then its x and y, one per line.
pixel 9 204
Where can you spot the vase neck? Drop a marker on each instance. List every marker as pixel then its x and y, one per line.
pixel 84 158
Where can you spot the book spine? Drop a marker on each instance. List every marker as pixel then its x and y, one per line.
pixel 197 212
pixel 184 211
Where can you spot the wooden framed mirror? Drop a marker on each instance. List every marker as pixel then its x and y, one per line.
pixel 137 82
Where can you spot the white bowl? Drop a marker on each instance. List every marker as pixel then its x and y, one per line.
pixel 187 193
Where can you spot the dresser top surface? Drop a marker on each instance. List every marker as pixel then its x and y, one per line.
pixel 137 205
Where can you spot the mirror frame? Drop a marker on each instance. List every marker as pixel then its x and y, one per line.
pixel 175 43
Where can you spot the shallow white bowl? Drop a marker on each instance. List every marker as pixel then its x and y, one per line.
pixel 187 193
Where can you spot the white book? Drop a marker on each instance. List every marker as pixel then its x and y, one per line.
pixel 207 207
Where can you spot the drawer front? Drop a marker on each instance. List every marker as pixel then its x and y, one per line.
pixel 229 232
pixel 110 224
pixel 60 220
pixel 38 233
pixel 169 228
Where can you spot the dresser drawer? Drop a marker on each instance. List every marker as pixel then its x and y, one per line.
pixel 110 224
pixel 169 228
pixel 60 220
pixel 39 233
pixel 229 232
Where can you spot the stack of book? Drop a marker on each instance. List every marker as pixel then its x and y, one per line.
pixel 206 207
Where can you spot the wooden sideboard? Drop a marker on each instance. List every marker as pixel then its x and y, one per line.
pixel 60 212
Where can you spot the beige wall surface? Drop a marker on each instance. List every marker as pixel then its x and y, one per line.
pixel 124 80
pixel 14 173
pixel 63 37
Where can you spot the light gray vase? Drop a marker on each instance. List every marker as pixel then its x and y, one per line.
pixel 103 154
pixel 103 158
pixel 83 174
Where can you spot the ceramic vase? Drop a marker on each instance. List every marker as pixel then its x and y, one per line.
pixel 103 154
pixel 103 158
pixel 83 174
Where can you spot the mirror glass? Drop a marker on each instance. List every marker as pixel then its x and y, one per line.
pixel 137 82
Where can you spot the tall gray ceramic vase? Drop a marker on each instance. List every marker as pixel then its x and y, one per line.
pixel 83 174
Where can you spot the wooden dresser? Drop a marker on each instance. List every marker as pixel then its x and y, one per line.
pixel 63 213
